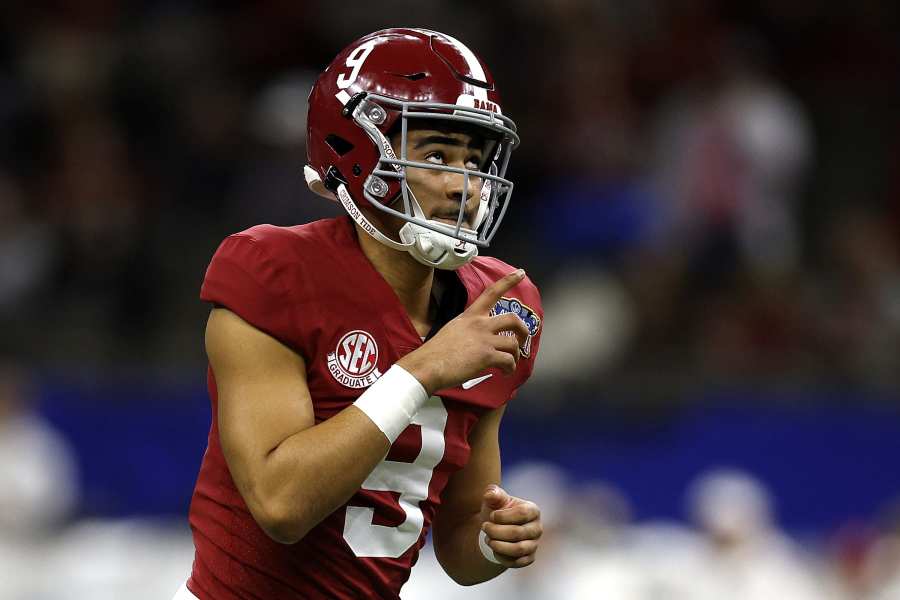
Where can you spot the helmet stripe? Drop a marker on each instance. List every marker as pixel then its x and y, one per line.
pixel 471 60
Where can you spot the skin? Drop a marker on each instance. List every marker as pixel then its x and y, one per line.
pixel 278 456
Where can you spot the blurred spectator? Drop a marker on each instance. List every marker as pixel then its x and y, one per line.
pixel 590 330
pixel 857 301
pixel 39 489
pixel 37 466
pixel 96 202
pixel 139 559
pixel 732 151
pixel 745 556
pixel 27 252
pixel 267 191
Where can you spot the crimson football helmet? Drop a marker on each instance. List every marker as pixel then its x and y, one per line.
pixel 375 87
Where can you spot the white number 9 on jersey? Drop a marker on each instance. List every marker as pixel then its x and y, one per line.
pixel 411 480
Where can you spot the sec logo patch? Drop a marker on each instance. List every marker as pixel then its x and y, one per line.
pixel 354 362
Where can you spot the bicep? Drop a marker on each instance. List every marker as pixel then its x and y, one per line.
pixel 262 394
pixel 463 494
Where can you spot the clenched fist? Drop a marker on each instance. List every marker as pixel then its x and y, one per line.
pixel 513 527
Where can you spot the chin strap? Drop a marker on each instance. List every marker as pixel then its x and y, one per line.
pixel 357 215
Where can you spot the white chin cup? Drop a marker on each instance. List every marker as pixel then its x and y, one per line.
pixel 434 249
pixel 431 248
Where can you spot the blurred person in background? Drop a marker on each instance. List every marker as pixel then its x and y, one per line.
pixel 314 483
pixel 28 257
pixel 745 556
pixel 590 535
pixel 592 331
pixel 265 191
pixel 856 300
pixel 39 488
pixel 732 148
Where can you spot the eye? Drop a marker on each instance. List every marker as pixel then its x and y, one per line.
pixel 435 157
pixel 473 162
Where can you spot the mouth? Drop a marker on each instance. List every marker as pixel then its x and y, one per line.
pixel 452 221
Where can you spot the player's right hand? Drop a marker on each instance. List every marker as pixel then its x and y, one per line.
pixel 471 343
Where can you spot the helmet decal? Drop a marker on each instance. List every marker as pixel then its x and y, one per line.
pixel 354 62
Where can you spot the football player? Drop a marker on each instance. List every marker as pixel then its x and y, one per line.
pixel 360 366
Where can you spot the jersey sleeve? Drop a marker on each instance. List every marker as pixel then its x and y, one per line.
pixel 247 279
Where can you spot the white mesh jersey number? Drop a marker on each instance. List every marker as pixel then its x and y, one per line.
pixel 411 480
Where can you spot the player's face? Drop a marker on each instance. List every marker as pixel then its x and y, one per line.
pixel 440 193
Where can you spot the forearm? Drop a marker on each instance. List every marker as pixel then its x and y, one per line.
pixel 456 548
pixel 315 471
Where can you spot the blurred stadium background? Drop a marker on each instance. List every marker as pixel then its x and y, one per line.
pixel 707 193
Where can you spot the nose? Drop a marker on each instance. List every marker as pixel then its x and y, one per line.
pixel 456 184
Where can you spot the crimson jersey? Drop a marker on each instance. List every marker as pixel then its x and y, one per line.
pixel 312 288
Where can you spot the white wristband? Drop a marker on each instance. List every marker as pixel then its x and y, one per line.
pixel 486 550
pixel 392 401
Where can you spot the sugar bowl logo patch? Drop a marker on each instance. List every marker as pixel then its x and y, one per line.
pixel 529 317
pixel 354 362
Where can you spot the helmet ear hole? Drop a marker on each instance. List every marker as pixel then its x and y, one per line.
pixel 338 144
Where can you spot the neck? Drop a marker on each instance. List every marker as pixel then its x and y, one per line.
pixel 410 279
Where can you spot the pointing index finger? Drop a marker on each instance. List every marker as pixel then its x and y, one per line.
pixel 492 294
